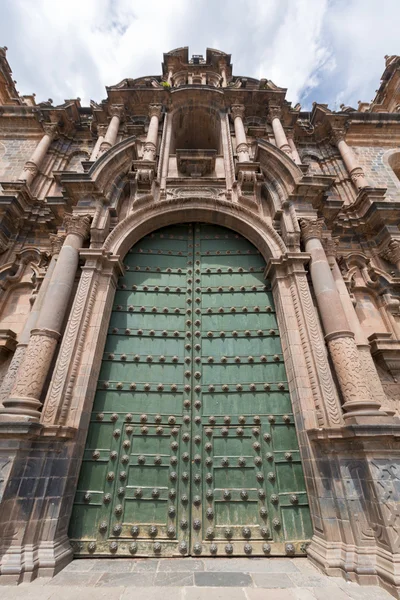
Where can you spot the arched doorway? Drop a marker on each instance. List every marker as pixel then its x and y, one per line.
pixel 192 447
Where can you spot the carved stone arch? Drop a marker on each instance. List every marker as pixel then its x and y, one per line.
pixel 281 174
pixel 391 159
pixel 184 210
pixel 111 165
pixel 73 162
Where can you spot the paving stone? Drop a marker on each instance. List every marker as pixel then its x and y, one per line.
pixel 149 593
pixel 251 565
pixel 181 564
pixel 220 593
pixel 85 593
pixel 273 594
pixel 145 565
pixel 24 592
pixel 271 580
pixel 118 565
pixel 330 593
pixel 126 579
pixel 365 592
pixel 83 565
pixel 175 579
pixel 311 580
pixel 67 579
pixel 223 579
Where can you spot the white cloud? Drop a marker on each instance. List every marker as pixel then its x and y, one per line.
pixel 329 49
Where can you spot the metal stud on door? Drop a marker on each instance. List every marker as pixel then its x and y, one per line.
pixel 192 446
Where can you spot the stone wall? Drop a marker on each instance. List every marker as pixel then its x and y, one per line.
pixel 13 155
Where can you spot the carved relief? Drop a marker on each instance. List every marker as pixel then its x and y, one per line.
pixel 386 480
pixel 348 369
pixel 315 351
pixel 311 228
pixel 392 252
pixel 155 110
pixel 77 224
pixel 32 375
pixel 64 360
pixel 11 375
pixel 237 110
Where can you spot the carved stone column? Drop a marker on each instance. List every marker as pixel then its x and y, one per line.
pixel 110 138
pixel 292 145
pixel 150 146
pixel 24 401
pixel 222 68
pixel 18 357
pixel 101 131
pixel 349 158
pixel 242 148
pixel 32 166
pixel 358 402
pixel 364 350
pixel 281 141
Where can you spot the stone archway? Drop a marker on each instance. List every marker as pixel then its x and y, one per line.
pixel 192 446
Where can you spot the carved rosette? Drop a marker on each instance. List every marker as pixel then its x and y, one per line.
pixel 155 110
pixel 77 225
pixel 311 229
pixel 349 371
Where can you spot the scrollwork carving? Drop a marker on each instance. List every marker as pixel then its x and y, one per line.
pixel 77 224
pixel 311 229
pixel 346 359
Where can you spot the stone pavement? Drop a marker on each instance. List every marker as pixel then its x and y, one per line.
pixel 192 579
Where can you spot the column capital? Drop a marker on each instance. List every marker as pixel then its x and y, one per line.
pixel 237 110
pixel 56 241
pixel 274 112
pixel 338 134
pixel 330 246
pixel 77 224
pixel 50 129
pixel 155 110
pixel 116 110
pixel 311 228
pixel 391 252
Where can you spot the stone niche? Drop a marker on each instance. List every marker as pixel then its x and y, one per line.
pixel 196 163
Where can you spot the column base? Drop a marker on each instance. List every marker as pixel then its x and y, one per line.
pixel 20 409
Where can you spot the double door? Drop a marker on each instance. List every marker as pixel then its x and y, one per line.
pixel 192 447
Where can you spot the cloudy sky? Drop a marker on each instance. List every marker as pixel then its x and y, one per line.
pixel 322 50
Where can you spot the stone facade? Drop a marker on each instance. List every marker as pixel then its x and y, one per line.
pixel 317 193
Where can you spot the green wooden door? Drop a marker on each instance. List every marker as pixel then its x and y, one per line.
pixel 192 447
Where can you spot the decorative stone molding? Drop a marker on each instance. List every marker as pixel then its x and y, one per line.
pixel 51 129
pixel 56 241
pixel 274 112
pixel 117 110
pixel 311 228
pixel 392 252
pixel 77 225
pixel 345 356
pixel 155 110
pixel 330 246
pixel 337 135
pixel 8 342
pixel 237 110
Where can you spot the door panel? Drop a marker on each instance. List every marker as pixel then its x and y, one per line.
pixel 192 446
